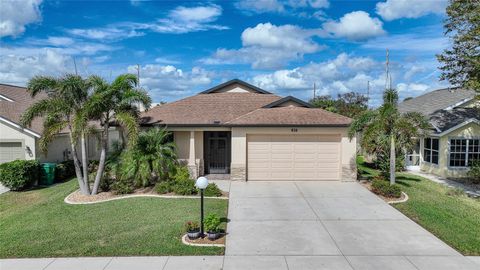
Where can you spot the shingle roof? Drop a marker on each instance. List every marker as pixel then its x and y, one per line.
pixel 207 109
pixel 291 115
pixel 12 110
pixel 446 119
pixel 436 100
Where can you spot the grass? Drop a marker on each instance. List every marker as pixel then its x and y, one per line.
pixel 38 223
pixel 448 214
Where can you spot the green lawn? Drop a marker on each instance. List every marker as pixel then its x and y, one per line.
pixel 453 218
pixel 38 223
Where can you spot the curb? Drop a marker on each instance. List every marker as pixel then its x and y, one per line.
pixel 68 201
pixel 400 201
pixel 184 241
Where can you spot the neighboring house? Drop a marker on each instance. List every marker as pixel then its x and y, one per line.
pixel 238 129
pixel 17 142
pixel 454 141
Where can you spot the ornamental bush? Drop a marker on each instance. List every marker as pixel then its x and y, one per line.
pixel 19 174
pixel 383 187
pixel 212 190
pixel 212 223
pixel 474 172
pixel 64 170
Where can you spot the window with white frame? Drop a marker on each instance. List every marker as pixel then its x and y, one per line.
pixel 463 152
pixel 430 150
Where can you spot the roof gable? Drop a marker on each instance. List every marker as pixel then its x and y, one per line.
pixel 287 102
pixel 235 86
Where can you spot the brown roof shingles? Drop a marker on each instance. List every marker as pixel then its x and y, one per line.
pixel 291 115
pixel 12 110
pixel 207 109
pixel 238 109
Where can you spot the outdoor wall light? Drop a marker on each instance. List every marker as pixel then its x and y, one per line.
pixel 29 151
pixel 201 183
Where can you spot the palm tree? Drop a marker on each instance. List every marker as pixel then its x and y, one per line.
pixel 387 133
pixel 66 97
pixel 152 157
pixel 115 102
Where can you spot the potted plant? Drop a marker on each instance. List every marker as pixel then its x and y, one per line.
pixel 193 229
pixel 212 225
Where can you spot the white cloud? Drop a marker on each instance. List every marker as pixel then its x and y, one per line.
pixel 346 73
pixel 15 15
pixel 180 20
pixel 396 9
pixel 166 81
pixel 412 87
pixel 356 25
pixel 106 33
pixel 424 43
pixel 18 69
pixel 268 46
pixel 278 6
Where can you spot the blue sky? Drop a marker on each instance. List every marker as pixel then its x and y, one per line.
pixel 284 46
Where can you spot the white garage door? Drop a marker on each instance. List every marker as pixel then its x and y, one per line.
pixel 11 151
pixel 293 157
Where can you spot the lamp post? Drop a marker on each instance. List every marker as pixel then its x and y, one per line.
pixel 201 183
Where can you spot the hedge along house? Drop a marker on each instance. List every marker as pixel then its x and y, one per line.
pixel 17 142
pixel 244 132
pixel 454 141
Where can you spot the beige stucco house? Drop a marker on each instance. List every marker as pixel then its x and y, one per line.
pixel 245 132
pixel 17 142
pixel 454 140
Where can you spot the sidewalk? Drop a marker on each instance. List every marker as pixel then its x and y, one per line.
pixel 246 262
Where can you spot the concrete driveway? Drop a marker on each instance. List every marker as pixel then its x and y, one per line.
pixel 327 225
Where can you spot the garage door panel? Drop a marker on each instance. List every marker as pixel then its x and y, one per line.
pixel 293 157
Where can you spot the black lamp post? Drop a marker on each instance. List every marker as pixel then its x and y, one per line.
pixel 201 183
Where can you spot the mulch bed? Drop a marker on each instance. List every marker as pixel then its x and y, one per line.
pixel 368 185
pixel 78 197
pixel 203 241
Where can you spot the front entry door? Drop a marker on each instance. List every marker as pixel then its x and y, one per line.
pixel 217 154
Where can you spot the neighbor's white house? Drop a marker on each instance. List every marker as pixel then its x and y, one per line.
pixel 454 140
pixel 17 142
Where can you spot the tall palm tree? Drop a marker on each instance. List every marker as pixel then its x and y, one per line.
pixel 113 102
pixel 66 96
pixel 152 157
pixel 386 132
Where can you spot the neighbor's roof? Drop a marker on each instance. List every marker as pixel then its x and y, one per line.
pixel 434 101
pixel 249 108
pixel 291 116
pixel 14 100
pixel 446 119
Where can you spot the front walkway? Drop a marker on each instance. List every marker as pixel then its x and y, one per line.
pixel 298 225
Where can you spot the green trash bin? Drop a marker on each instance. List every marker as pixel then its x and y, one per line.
pixel 48 174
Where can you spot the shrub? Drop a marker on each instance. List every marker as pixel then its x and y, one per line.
pixel 122 186
pixel 382 187
pixel 19 174
pixel 181 173
pixel 212 223
pixel 106 183
pixel 212 190
pixel 184 187
pixel 474 172
pixel 192 226
pixel 64 170
pixel 164 187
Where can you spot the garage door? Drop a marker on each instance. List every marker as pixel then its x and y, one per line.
pixel 11 151
pixel 293 157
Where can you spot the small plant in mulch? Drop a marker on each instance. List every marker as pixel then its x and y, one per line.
pixel 382 187
pixel 212 225
pixel 193 229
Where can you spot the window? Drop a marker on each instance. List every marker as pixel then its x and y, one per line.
pixel 463 152
pixel 430 150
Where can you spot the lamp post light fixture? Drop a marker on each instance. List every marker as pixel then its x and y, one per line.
pixel 201 183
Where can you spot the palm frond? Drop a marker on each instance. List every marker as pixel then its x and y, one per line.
pixel 39 84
